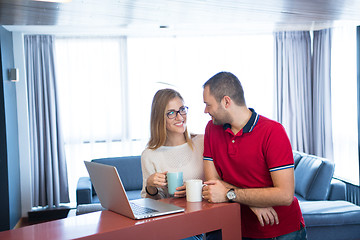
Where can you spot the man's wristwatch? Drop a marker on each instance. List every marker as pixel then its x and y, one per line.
pixel 231 195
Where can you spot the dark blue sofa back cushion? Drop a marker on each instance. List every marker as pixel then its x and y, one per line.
pixel 297 156
pixel 312 177
pixel 129 169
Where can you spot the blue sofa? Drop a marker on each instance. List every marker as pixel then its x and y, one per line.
pixel 129 169
pixel 322 198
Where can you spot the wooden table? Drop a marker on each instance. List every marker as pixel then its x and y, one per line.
pixel 198 218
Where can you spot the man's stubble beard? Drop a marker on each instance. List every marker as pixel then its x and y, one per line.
pixel 223 118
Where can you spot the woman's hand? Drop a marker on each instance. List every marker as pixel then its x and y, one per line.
pixel 265 215
pixel 180 191
pixel 157 180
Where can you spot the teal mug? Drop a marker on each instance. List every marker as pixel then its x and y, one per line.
pixel 174 180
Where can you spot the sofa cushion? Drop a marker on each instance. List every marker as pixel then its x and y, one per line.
pixel 129 169
pixel 88 208
pixel 325 213
pixel 133 194
pixel 299 197
pixel 312 177
pixel 331 219
pixel 297 156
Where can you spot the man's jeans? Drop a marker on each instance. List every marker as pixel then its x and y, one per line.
pixel 297 235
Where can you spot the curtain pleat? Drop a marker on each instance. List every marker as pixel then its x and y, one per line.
pixel 302 90
pixel 322 120
pixel 292 82
pixel 49 170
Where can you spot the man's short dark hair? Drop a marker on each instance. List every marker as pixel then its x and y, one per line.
pixel 226 84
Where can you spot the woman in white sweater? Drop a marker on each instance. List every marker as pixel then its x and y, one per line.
pixel 170 148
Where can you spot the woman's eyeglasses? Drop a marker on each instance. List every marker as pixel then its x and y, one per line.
pixel 173 114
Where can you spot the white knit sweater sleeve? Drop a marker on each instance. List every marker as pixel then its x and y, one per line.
pixel 148 168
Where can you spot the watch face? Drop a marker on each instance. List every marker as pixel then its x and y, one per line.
pixel 231 195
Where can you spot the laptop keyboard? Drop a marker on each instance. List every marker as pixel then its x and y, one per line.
pixel 137 209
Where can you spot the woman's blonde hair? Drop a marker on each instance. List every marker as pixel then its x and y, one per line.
pixel 158 118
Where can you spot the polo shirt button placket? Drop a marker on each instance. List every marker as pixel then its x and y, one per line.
pixel 232 149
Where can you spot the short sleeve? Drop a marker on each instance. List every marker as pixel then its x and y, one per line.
pixel 278 151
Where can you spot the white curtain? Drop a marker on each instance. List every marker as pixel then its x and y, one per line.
pixel 49 171
pixel 321 78
pixel 92 88
pixel 303 90
pixel 331 112
pixel 293 96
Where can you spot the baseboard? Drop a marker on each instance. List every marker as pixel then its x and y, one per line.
pixel 22 222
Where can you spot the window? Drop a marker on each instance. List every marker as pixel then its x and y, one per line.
pixel 106 86
pixel 343 101
pixel 185 63
pixel 91 101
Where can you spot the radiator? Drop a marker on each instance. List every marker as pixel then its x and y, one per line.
pixel 353 193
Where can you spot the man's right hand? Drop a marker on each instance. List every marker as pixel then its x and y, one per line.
pixel 214 191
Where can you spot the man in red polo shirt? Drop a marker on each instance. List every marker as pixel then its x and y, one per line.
pixel 248 159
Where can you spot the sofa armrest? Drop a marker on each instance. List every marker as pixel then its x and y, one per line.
pixel 84 191
pixel 337 190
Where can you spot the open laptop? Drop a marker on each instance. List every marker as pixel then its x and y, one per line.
pixel 112 195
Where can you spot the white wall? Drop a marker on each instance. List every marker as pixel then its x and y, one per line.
pixel 23 124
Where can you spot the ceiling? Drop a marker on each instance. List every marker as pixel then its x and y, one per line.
pixel 177 16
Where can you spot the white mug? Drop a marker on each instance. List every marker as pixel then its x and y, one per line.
pixel 194 190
